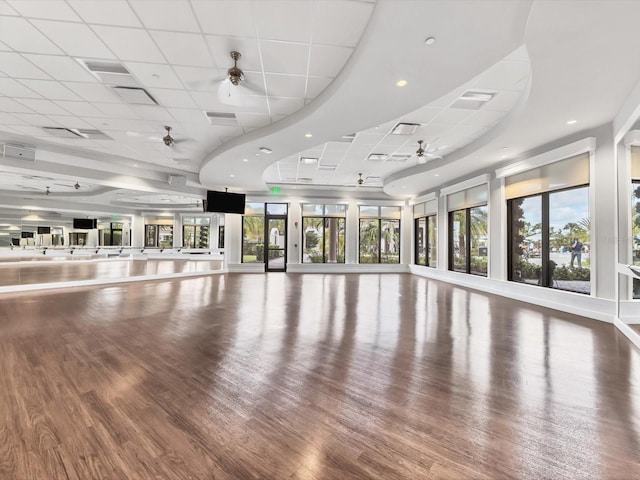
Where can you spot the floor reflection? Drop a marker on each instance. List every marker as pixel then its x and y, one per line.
pixel 313 376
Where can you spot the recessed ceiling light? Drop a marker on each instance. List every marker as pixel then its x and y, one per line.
pixel 430 41
pixel 265 150
pixel 232 175
pixel 308 135
pixel 436 175
pixel 401 83
pixel 505 148
pixel 571 122
pixel 404 186
pixel 245 159
pixel 308 160
pixel 135 164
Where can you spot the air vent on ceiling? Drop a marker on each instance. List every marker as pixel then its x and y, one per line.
pixel 135 95
pixel 405 129
pixel 19 152
pixel 221 118
pixel 347 138
pixel 472 100
pixel 305 180
pixel 398 158
pixel 377 157
pixel 76 133
pixel 327 168
pixel 111 73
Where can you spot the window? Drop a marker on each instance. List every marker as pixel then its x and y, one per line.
pixel 635 215
pixel 549 228
pixel 195 232
pixel 253 233
pixel 379 234
pixel 323 228
pixel 158 232
pixel 426 233
pixel 468 231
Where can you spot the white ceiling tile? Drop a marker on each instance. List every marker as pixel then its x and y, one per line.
pixel 75 39
pixel 152 112
pixel 11 106
pixel 340 22
pixel 8 119
pixel 221 48
pixel 115 110
pixel 32 119
pixel 285 85
pixel 82 109
pixel 484 118
pixel 113 12
pixel 4 47
pixel 173 98
pixel 422 115
pixel 198 78
pixel 11 88
pixel 225 18
pixel 172 15
pixel 130 43
pixel 16 66
pixel 50 89
pixel 60 68
pixel 184 48
pixel 327 61
pixel 503 101
pixel 289 20
pixel 32 130
pixel 252 119
pixel 316 85
pixel 69 121
pixel 188 115
pixel 282 57
pixel 286 106
pixel 452 116
pixel 154 75
pixel 93 92
pixel 6 9
pixel 22 36
pixel 42 106
pixel 49 9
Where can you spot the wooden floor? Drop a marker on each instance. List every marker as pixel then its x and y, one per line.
pixel 290 376
pixel 36 272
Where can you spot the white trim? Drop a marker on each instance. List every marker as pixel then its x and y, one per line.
pixel 466 184
pixel 632 138
pixel 246 267
pixel 628 332
pixel 423 198
pixel 586 145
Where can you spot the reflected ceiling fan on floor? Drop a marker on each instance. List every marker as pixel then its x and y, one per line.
pixel 425 153
pixel 233 88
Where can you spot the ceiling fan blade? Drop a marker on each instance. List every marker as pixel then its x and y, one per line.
pixel 204 84
pixel 238 95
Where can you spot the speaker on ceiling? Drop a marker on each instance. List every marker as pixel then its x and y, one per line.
pixel 177 180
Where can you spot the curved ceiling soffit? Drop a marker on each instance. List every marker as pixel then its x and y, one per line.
pixel 422 174
pixel 391 48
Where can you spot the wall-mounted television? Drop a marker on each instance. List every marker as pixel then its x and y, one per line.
pixel 85 223
pixel 225 202
pixel 26 234
pixel 44 230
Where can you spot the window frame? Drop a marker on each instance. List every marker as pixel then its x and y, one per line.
pixel 425 239
pixel 467 247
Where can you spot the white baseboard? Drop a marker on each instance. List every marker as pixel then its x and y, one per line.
pixel 627 331
pixel 245 267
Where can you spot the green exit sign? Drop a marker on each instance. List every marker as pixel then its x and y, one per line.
pixel 275 189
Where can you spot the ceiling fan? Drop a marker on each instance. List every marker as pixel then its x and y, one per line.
pixel 233 89
pixel 425 153
pixel 169 141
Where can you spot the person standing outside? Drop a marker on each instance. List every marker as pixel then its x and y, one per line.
pixel 576 252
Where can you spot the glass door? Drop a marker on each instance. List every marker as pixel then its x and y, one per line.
pixel 276 244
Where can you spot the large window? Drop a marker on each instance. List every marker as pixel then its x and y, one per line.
pixel 468 231
pixel 379 234
pixel 426 233
pixel 158 232
pixel 323 228
pixel 635 214
pixel 549 231
pixel 253 233
pixel 195 232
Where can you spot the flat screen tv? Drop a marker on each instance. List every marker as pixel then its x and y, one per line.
pixel 26 234
pixel 225 202
pixel 85 223
pixel 43 230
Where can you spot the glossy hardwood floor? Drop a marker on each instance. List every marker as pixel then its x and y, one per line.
pixel 288 376
pixel 36 272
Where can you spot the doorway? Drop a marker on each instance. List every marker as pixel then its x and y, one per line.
pixel 276 244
